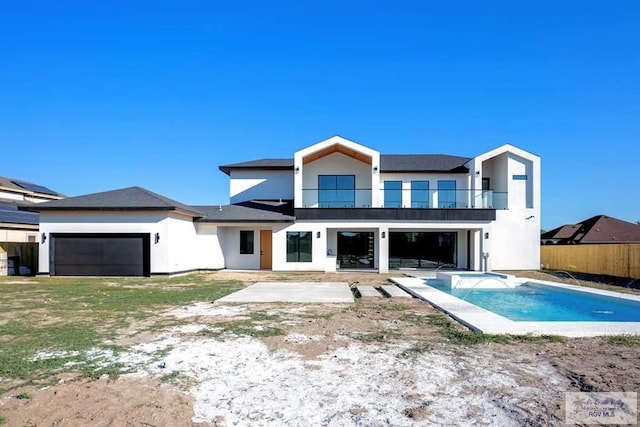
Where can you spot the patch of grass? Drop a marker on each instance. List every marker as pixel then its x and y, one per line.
pixel 625 340
pixel 325 316
pixel 456 335
pixel 371 337
pixel 176 378
pixel 261 316
pixel 246 327
pixel 417 319
pixel 68 316
pixel 3 420
pixel 23 396
pixel 416 350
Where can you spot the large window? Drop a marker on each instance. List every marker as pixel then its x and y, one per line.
pixel 419 194
pixel 299 245
pixel 446 194
pixel 246 242
pixel 423 249
pixel 393 194
pixel 336 191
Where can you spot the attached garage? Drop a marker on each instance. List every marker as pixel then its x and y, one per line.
pixel 125 254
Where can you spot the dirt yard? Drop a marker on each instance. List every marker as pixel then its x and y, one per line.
pixel 378 361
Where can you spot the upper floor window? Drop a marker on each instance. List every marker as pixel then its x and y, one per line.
pixel 447 194
pixel 419 194
pixel 246 241
pixel 393 194
pixel 336 191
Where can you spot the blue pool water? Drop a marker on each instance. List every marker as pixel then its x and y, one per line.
pixel 538 302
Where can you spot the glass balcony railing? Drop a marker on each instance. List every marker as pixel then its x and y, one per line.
pixel 354 198
pixel 410 199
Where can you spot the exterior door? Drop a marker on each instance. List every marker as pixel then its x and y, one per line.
pixel 265 249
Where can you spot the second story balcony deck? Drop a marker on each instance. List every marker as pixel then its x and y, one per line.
pixel 404 199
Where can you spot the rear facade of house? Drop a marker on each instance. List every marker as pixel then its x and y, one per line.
pixel 335 205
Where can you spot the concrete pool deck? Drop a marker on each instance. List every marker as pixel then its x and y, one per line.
pixel 481 320
pixel 300 292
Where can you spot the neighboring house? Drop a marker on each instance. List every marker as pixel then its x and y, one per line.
pixel 334 205
pixel 599 229
pixel 19 229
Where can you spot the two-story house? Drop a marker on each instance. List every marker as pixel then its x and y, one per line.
pixel 19 229
pixel 334 205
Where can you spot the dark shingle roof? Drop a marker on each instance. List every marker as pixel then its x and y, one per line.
pixel 597 229
pixel 263 164
pixel 9 213
pixel 422 163
pixel 253 211
pixel 26 187
pixel 388 163
pixel 132 198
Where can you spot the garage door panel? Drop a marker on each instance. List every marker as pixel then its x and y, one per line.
pixel 100 254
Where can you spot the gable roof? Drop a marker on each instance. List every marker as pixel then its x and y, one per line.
pixel 128 199
pixel 388 163
pixel 250 211
pixel 27 188
pixel 597 229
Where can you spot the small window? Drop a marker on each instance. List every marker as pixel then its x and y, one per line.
pixel 246 241
pixel 31 238
pixel 299 245
pixel 519 177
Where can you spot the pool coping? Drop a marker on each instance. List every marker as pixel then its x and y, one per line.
pixel 481 320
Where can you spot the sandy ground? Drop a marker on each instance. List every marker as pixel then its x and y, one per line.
pixel 332 365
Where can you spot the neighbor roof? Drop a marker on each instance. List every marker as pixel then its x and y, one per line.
pixel 597 229
pixel 250 211
pixel 26 187
pixel 9 213
pixel 132 198
pixel 388 163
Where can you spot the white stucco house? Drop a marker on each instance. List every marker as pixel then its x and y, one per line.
pixel 334 205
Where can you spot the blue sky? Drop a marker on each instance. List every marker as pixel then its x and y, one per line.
pixel 159 94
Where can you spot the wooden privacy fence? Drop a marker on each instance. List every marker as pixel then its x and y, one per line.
pixel 621 260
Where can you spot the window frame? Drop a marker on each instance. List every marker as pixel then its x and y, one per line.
pixel 343 193
pixel 390 202
pixel 247 242
pixel 299 253
pixel 420 204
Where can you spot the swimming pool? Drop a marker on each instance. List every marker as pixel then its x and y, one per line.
pixel 525 306
pixel 538 302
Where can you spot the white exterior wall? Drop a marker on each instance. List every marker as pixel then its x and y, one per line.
pixel 328 241
pixel 233 258
pixel 18 236
pixel 336 164
pixel 260 185
pixel 514 238
pixel 180 248
pixel 189 246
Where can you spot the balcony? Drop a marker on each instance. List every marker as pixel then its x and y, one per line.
pixel 404 199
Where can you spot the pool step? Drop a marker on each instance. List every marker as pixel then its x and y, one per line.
pixel 395 291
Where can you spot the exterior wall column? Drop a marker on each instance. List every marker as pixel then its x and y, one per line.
pixel 383 249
